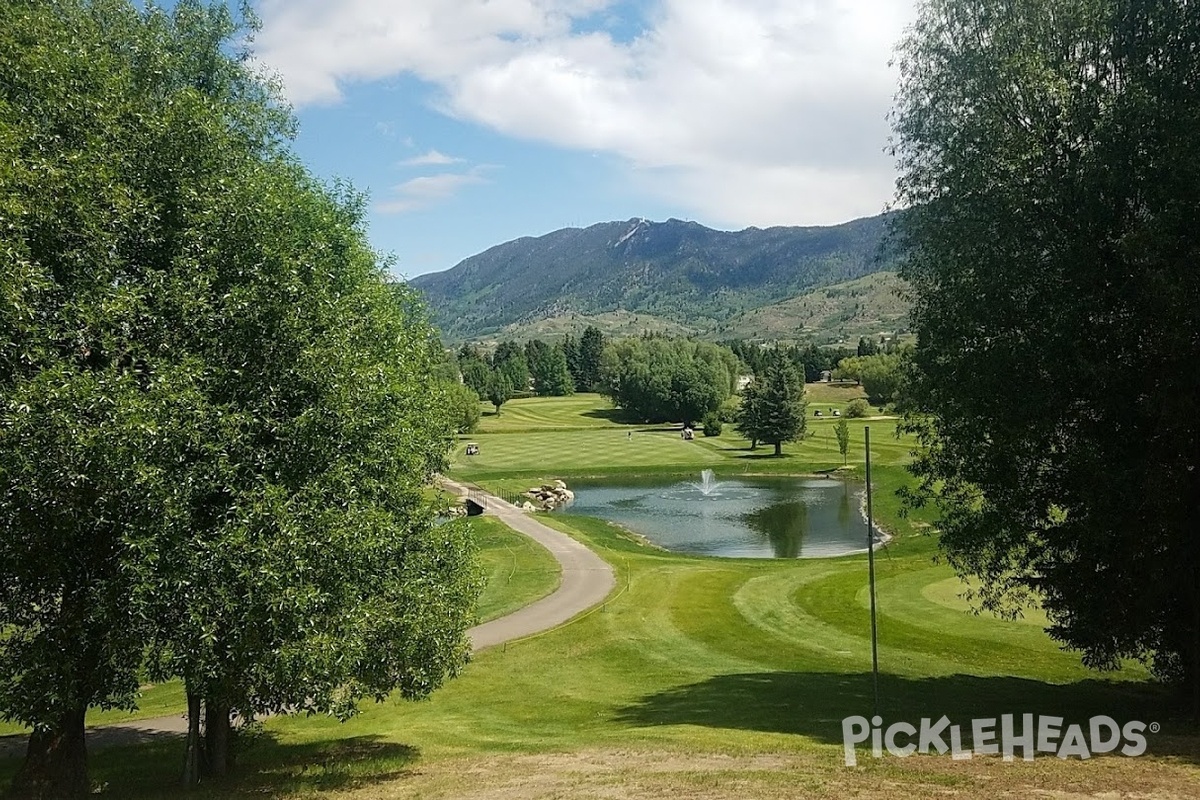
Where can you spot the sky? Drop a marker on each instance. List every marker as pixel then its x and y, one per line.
pixel 473 122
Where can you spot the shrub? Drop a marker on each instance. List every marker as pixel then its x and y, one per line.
pixel 857 408
pixel 729 409
pixel 712 424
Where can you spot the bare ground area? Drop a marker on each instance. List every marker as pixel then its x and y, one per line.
pixel 619 775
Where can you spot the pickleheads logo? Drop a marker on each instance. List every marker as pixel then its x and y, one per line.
pixel 1035 734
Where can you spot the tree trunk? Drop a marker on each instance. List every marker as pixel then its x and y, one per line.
pixel 779 448
pixel 56 762
pixel 216 736
pixel 193 755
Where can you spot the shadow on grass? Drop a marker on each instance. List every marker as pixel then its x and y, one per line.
pixel 265 768
pixel 813 704
pixel 617 415
pixel 760 455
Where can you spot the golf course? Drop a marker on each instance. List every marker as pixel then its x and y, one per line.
pixel 698 676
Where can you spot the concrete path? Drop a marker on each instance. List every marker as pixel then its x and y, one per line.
pixel 586 580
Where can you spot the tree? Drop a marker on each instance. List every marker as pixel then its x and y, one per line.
pixel 499 390
pixel 509 359
pixel 867 346
pixel 570 346
pixel 475 373
pixel 775 412
pixel 217 418
pixel 463 406
pixel 554 378
pixel 1048 153
pixel 857 408
pixel 748 419
pixel 843 438
pixel 667 380
pixel 591 350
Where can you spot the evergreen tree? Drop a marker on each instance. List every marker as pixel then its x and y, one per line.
pixel 776 411
pixel 591 349
pixel 570 346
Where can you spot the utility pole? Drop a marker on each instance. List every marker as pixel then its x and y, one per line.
pixel 871 574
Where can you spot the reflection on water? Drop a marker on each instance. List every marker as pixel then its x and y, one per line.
pixel 763 517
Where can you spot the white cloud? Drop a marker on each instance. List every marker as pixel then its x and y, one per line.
pixel 430 159
pixel 750 111
pixel 428 190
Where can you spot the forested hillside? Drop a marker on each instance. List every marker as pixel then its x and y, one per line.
pixel 639 274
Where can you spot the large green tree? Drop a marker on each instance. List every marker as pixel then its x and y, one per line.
pixel 1050 159
pixel 216 417
pixel 548 369
pixel 668 380
pixel 773 405
pixel 591 353
pixel 509 360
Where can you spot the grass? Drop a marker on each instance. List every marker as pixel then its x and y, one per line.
pixel 704 677
pixel 518 570
pixel 581 436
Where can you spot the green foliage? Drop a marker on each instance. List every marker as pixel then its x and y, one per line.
pixel 548 367
pixel 475 373
pixel 1048 153
pixel 842 430
pixel 667 380
pixel 216 416
pixel 773 406
pixel 882 375
pixel 857 408
pixel 671 272
pixel 499 390
pixel 591 352
pixel 509 360
pixel 810 358
pixel 462 406
pixel 867 346
pixel 727 413
pixel 712 424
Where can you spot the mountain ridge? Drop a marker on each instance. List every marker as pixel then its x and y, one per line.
pixel 679 271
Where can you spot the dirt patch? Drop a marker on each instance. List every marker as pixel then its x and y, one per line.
pixel 621 775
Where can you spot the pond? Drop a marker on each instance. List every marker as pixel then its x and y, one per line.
pixel 744 517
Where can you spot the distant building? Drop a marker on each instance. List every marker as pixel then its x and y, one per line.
pixel 826 376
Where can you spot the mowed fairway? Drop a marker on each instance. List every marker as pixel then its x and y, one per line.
pixel 552 436
pixel 712 678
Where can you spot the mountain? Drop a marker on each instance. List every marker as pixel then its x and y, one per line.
pixel 843 312
pixel 674 275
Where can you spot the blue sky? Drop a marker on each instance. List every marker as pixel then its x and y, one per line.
pixel 473 122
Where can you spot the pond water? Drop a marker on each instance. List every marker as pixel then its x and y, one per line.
pixel 760 517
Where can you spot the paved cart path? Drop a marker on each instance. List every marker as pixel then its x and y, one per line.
pixel 586 580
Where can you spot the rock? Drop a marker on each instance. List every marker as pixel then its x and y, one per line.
pixel 568 494
pixel 528 506
pixel 559 485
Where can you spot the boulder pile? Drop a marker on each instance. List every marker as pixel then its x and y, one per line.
pixel 548 496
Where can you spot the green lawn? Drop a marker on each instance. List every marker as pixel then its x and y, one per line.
pixel 706 677
pixel 518 570
pixel 564 439
pixel 549 413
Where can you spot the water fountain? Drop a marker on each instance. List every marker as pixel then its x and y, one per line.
pixel 707 484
